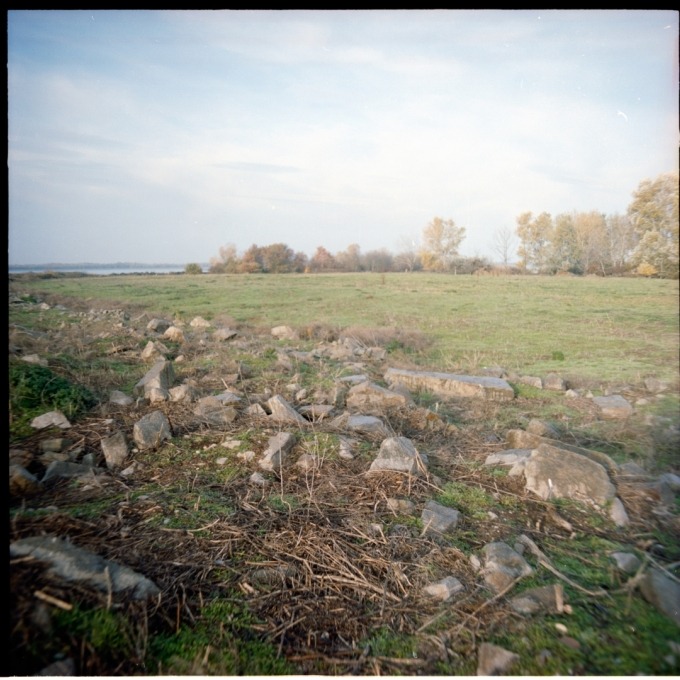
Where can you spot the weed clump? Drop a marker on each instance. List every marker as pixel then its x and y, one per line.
pixel 34 389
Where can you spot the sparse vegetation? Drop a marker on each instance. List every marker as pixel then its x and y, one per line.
pixel 293 577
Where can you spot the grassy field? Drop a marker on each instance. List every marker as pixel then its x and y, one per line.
pixel 614 329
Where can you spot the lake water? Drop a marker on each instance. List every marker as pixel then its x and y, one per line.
pixel 103 270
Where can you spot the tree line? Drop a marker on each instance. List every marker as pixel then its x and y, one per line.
pixel 644 242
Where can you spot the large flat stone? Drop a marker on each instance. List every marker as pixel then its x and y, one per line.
pixel 448 385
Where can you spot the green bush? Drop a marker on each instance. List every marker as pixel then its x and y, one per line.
pixel 193 268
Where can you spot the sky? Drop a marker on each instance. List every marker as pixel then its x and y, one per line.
pixel 159 136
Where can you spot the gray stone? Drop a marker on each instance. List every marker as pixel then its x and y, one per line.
pixel 367 425
pixel 283 412
pixel 75 564
pixel 554 382
pixel 161 375
pixel 400 506
pixel 278 448
pixel 212 411
pixel 157 394
pixel 448 385
pixel 626 562
pixel 445 589
pixel 199 322
pixel 655 386
pixel 158 325
pixel 54 444
pixel 183 393
pixel 397 454
pixel 662 592
pixel 115 450
pixel 509 457
pixel 542 429
pixel 502 565
pixel 151 430
pixel 439 519
pixel 519 439
pixel 174 334
pixel 51 419
pixel 224 334
pixel 316 412
pixel 543 599
pixel 369 398
pixel 65 469
pixel 532 381
pixel 618 514
pixel 284 333
pixel 613 407
pixel 22 483
pixel 120 398
pixel 354 379
pixel 494 660
pixel 557 473
pixel 153 351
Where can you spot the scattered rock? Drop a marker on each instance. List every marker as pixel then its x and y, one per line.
pixel 447 385
pixel 502 565
pixel 224 334
pixel 283 412
pixel 445 589
pixel 557 473
pixel 367 397
pixel 554 382
pixel 213 411
pixel 544 600
pixel 75 564
pixel 284 333
pixel 278 448
pixel 151 430
pixel 160 376
pixel 22 484
pixel 398 454
pixel 628 563
pixel 494 660
pixel 199 322
pixel 439 519
pixel 174 334
pixel 115 450
pixel 51 419
pixel 120 398
pixel 662 592
pixel 613 407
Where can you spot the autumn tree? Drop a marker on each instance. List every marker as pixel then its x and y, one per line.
pixel 654 217
pixel 277 258
pixel 534 236
pixel 349 260
pixel 621 240
pixel 440 242
pixel 227 262
pixel 322 261
pixel 564 252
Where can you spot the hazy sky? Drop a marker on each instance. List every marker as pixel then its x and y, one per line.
pixel 158 136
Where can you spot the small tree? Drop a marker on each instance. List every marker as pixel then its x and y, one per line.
pixel 193 268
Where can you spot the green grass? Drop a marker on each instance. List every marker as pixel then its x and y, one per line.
pixel 603 329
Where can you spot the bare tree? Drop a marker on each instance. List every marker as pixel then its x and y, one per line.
pixel 504 244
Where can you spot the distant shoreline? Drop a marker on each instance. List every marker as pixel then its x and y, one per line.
pixel 99 269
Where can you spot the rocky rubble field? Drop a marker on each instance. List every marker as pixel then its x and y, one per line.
pixel 309 501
